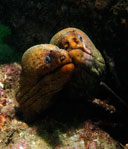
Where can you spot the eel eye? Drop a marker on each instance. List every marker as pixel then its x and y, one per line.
pixel 62 58
pixel 48 59
pixel 80 38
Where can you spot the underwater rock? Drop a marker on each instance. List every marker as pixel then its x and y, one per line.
pixel 89 63
pixel 88 136
pixel 18 134
pixel 47 133
pixel 45 70
pixel 9 75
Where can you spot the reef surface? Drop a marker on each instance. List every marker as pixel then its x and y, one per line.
pixel 47 132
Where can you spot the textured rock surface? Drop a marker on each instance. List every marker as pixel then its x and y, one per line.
pixel 46 133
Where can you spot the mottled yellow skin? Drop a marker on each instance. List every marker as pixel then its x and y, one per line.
pixel 81 49
pixel 45 70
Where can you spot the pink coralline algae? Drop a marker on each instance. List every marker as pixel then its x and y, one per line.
pixel 21 145
pixel 8 79
pixel 9 75
pixel 87 137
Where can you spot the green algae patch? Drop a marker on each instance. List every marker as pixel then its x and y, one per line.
pixel 7 53
pixel 4 31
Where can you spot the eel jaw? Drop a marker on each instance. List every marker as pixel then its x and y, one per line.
pixel 91 63
pixel 67 69
pixel 80 57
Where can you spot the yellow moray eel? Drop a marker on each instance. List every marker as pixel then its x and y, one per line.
pixel 81 49
pixel 89 63
pixel 45 70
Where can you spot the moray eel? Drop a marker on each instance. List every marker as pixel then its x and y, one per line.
pixel 81 49
pixel 89 63
pixel 45 70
